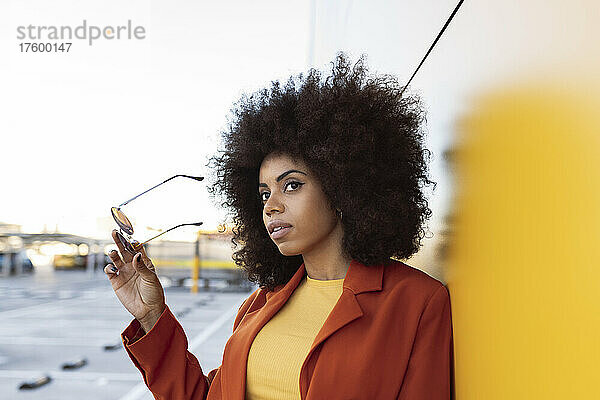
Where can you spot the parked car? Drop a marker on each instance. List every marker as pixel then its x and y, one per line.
pixel 27 264
pixel 69 261
pixel 75 261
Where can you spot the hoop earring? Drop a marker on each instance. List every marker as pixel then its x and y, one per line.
pixel 338 212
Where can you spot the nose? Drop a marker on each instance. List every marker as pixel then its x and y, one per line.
pixel 273 204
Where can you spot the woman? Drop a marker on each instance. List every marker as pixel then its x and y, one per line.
pixel 325 184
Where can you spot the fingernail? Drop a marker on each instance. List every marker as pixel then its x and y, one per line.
pixel 113 268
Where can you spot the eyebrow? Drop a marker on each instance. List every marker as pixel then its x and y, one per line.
pixel 280 177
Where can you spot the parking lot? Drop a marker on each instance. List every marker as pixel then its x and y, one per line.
pixel 54 318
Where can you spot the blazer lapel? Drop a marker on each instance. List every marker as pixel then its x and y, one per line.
pixel 359 279
pixel 235 356
pixel 345 311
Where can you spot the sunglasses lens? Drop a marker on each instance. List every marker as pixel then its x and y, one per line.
pixel 126 243
pixel 122 220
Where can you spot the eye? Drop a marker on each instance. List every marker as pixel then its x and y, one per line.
pixel 293 185
pixel 262 198
pixel 298 184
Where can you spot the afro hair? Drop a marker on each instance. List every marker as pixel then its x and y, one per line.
pixel 363 140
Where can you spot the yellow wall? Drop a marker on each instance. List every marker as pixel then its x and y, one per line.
pixel 524 271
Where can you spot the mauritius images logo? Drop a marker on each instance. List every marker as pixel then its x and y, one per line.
pixel 85 31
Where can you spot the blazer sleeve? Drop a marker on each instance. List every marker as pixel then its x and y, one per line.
pixel 430 367
pixel 169 370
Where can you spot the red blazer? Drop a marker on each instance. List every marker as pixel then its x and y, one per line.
pixel 389 336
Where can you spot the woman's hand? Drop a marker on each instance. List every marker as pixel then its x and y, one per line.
pixel 134 280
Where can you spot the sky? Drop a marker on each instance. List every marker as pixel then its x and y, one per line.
pixel 86 130
pixel 89 129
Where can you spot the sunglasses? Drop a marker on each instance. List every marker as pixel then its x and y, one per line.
pixel 126 227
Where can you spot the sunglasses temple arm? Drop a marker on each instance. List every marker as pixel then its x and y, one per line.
pixel 197 178
pixel 170 229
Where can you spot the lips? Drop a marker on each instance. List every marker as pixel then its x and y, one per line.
pixel 278 228
pixel 271 226
pixel 280 232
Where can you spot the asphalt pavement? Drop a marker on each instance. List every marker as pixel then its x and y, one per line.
pixel 53 319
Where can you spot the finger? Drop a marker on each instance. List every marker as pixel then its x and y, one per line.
pixel 140 266
pixel 139 248
pixel 145 259
pixel 127 257
pixel 116 258
pixel 111 271
pixel 119 276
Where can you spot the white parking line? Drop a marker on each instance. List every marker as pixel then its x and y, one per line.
pixel 65 341
pixel 72 375
pixel 40 308
pixel 140 389
pixel 97 323
pixel 49 306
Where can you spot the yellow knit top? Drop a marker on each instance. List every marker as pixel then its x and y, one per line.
pixel 280 347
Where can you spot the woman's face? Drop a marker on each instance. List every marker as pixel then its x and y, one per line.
pixel 291 195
